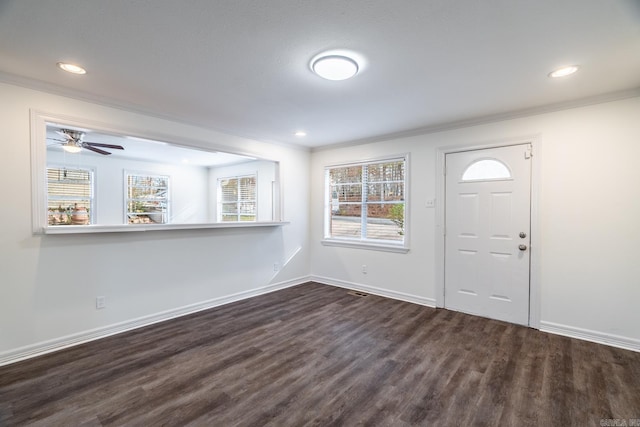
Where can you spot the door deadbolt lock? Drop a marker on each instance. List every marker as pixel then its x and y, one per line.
pixel 523 234
pixel 522 247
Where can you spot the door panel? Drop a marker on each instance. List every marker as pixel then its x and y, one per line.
pixel 487 207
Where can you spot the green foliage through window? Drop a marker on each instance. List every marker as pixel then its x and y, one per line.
pixel 147 199
pixel 367 201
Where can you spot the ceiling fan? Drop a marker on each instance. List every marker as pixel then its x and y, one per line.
pixel 73 142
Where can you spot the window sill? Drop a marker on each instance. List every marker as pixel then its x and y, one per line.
pixel 84 229
pixel 365 245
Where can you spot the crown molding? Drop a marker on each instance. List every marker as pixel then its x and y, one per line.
pixel 54 89
pixel 493 118
pixel 79 95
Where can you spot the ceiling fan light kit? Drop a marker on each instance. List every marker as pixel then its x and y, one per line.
pixel 71 147
pixel 74 143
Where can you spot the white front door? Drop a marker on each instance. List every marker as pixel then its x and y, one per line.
pixel 487 227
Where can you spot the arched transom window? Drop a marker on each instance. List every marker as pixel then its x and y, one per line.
pixel 486 170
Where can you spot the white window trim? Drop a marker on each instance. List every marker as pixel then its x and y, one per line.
pixel 94 189
pixel 129 172
pixel 369 244
pixel 39 221
pixel 219 196
pixel 377 245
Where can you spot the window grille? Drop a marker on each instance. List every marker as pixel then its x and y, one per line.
pixel 70 195
pixel 237 198
pixel 366 201
pixel 147 199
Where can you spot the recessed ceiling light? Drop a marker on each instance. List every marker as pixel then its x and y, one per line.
pixel 71 68
pixel 300 133
pixel 564 71
pixel 334 67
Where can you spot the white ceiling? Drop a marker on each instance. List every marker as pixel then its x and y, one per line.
pixel 145 149
pixel 242 66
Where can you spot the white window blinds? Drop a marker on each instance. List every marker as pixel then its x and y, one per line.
pixel 69 196
pixel 237 198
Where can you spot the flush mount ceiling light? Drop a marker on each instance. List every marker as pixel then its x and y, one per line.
pixel 300 133
pixel 334 67
pixel 71 68
pixel 564 71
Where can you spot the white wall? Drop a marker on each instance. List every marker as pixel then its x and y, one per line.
pixel 48 284
pixel 589 218
pixel 189 186
pixel 589 211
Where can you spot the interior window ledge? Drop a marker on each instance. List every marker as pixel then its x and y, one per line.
pixel 80 229
pixel 366 245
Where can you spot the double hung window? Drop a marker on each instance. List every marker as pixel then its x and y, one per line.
pixel 237 198
pixel 70 194
pixel 147 198
pixel 365 202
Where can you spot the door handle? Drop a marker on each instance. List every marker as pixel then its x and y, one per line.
pixel 522 247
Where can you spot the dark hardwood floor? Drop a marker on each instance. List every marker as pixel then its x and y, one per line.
pixel 316 355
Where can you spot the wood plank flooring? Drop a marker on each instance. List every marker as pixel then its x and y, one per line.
pixel 316 355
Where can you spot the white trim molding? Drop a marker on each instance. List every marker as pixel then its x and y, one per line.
pixel 589 335
pixel 481 120
pixel 50 346
pixel 366 243
pixel 38 144
pixel 401 296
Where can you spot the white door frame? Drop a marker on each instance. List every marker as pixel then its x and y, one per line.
pixel 534 279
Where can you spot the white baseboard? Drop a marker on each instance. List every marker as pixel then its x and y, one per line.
pixel 60 343
pixel 56 344
pixel 589 335
pixel 429 302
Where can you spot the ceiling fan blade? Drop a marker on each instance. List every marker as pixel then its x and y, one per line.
pixel 96 150
pixel 59 140
pixel 96 144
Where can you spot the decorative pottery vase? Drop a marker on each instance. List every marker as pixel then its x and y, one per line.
pixel 79 215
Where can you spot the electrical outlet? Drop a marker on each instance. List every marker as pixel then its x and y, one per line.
pixel 364 269
pixel 431 203
pixel 101 303
pixel 276 266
